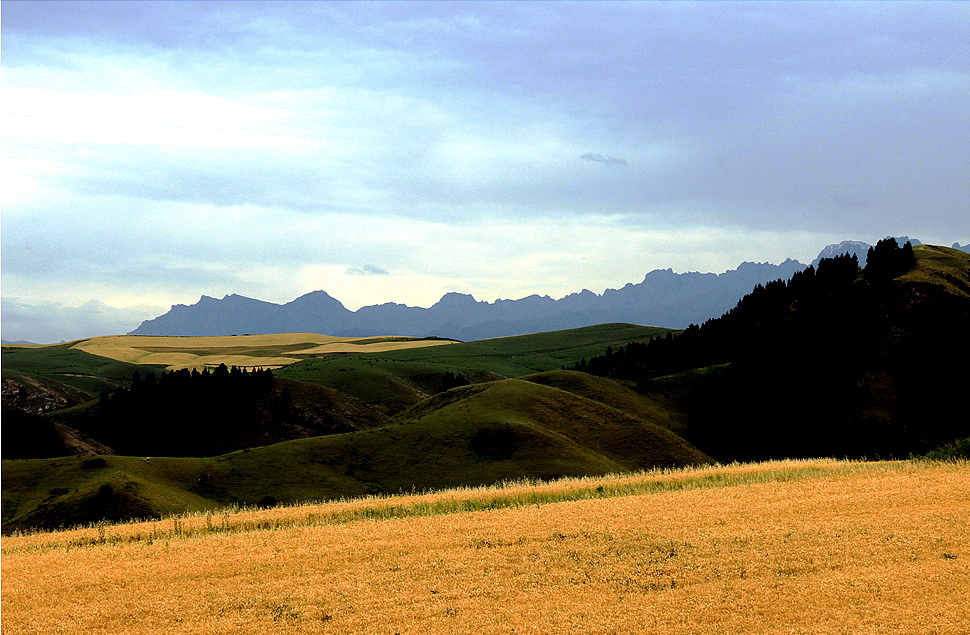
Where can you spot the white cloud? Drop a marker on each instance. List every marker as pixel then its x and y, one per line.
pixel 153 152
pixel 53 322
pixel 367 270
pixel 604 159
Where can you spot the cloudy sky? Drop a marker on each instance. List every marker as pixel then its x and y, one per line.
pixel 157 151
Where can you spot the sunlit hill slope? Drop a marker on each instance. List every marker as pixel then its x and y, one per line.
pixel 785 547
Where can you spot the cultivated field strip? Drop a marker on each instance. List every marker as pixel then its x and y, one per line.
pixel 836 548
pixel 457 500
pixel 239 350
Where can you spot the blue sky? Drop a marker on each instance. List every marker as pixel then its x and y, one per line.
pixel 157 151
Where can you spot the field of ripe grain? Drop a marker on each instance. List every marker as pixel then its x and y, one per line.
pixel 268 351
pixel 798 547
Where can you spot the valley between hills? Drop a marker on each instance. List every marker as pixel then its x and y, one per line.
pixel 616 477
pixel 839 360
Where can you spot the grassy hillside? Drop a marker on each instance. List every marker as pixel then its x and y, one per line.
pixel 466 436
pixel 655 406
pixel 506 413
pixel 794 547
pixel 388 373
pixel 58 366
pixel 395 380
pixel 525 354
pixel 73 490
pixel 945 267
pixel 388 385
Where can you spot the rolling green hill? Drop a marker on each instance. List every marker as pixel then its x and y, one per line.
pixel 503 413
pixel 389 385
pixel 65 491
pixel 469 435
pixel 944 267
pixel 59 376
pixel 836 361
pixel 396 380
pixel 63 375
pixel 655 407
pixel 525 354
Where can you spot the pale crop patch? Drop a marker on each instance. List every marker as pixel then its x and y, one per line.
pixel 378 346
pixel 265 351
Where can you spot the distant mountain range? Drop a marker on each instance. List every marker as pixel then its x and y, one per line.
pixel 662 298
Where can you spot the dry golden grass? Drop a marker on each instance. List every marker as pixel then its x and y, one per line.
pixel 832 548
pixel 268 351
pixel 507 494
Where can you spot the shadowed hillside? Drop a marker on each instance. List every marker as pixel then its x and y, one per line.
pixel 47 378
pixel 394 380
pixel 656 408
pixel 465 436
pixel 205 414
pixel 836 361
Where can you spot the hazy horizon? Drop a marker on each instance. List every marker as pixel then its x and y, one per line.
pixel 155 152
pixel 96 318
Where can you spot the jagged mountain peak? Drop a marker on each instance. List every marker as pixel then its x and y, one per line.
pixel 455 299
pixel 319 293
pixel 662 298
pixel 856 247
pixel 851 247
pixel 317 299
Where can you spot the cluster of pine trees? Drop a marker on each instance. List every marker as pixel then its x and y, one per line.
pixel 836 361
pixel 183 412
pixel 190 385
pixel 453 380
pixel 816 303
pixel 28 436
pixel 887 260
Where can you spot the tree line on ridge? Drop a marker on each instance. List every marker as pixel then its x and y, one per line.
pixel 837 361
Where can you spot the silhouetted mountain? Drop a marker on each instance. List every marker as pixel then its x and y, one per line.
pixel 855 248
pixel 236 315
pixel 661 298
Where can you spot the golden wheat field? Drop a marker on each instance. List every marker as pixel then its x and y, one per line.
pixel 267 351
pixel 788 547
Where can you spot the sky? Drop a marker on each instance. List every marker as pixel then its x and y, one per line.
pixel 154 152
